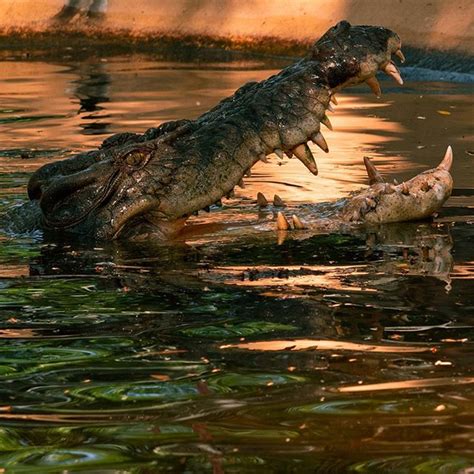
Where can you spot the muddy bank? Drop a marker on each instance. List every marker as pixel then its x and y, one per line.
pixel 265 25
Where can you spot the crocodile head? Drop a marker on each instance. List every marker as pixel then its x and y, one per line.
pixel 150 184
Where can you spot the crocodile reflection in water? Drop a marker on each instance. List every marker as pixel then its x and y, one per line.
pixel 392 250
pixel 91 89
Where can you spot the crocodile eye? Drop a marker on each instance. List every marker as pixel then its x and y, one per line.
pixel 136 158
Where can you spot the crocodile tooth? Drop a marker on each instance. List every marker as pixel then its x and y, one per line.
pixel 261 200
pixel 331 108
pixel 319 140
pixel 395 182
pixel 333 99
pixel 399 53
pixel 303 153
pixel 278 201
pixel 297 224
pixel 374 85
pixel 325 121
pixel 405 189
pixel 392 70
pixel 447 161
pixel 248 173
pixel 241 184
pixel 282 223
pixel 372 172
pixel 279 153
pixel 263 158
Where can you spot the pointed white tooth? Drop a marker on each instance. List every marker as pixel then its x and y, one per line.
pixel 278 201
pixel 333 99
pixel 392 70
pixel 374 86
pixel 279 153
pixel 447 161
pixel 399 53
pixel 297 223
pixel 372 172
pixel 303 153
pixel 319 140
pixel 282 223
pixel 248 173
pixel 261 200
pixel 331 108
pixel 325 121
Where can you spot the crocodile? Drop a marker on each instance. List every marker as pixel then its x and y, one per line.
pixel 140 185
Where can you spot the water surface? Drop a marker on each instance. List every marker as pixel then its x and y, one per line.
pixel 234 350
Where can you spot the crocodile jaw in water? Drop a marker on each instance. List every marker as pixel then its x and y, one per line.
pixel 153 182
pixel 382 203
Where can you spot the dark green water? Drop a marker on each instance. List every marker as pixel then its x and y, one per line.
pixel 230 351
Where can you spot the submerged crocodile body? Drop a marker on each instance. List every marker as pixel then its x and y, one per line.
pixel 150 184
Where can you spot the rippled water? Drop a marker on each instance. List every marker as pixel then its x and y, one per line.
pixel 233 350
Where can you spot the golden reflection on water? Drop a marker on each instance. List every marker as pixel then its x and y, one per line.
pixel 408 384
pixel 341 170
pixel 325 345
pixel 313 275
pixel 18 333
pixel 14 271
pixel 463 271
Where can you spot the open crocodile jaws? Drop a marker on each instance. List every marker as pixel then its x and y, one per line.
pixel 151 183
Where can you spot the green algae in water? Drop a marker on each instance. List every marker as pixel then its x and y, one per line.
pixel 29 118
pixel 230 330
